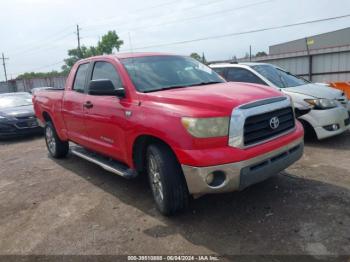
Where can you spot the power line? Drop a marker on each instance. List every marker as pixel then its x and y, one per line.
pixel 4 65
pixel 137 10
pixel 38 68
pixel 165 15
pixel 54 37
pixel 49 38
pixel 222 36
pixel 175 21
pixel 40 47
pixel 241 33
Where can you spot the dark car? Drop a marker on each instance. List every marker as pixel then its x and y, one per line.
pixel 17 116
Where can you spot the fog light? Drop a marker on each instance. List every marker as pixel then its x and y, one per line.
pixel 216 178
pixel 333 127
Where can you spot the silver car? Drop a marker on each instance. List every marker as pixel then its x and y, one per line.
pixel 329 114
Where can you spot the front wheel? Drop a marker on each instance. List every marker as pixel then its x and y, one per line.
pixel 166 180
pixel 57 148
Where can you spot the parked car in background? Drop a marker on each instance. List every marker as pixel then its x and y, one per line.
pixel 174 119
pixel 35 89
pixel 17 116
pixel 329 114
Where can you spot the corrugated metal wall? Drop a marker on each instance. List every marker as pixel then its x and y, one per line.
pixel 331 66
pixel 331 39
pixel 25 85
pixel 28 84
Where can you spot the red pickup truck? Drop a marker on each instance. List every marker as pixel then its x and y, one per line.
pixel 173 119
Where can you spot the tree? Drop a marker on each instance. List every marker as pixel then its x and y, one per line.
pixel 29 75
pixel 108 42
pixel 196 56
pixel 260 54
pixel 106 45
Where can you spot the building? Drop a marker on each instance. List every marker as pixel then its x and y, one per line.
pixel 319 58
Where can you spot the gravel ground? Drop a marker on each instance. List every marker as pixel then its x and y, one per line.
pixel 73 207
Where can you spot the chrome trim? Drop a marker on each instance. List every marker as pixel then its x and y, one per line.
pixel 95 161
pixel 26 127
pixel 240 114
pixel 196 176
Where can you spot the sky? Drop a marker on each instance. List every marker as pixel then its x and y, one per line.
pixel 36 34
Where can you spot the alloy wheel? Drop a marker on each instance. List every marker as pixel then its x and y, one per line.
pixel 154 176
pixel 50 140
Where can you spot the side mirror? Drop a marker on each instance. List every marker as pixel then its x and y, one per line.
pixel 104 87
pixel 120 92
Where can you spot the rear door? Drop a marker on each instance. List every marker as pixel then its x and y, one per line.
pixel 73 106
pixel 106 119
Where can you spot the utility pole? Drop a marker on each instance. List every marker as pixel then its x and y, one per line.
pixel 250 53
pixel 4 64
pixel 309 57
pixel 78 36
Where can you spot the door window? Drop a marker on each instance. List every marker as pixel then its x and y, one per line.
pixel 104 70
pixel 220 71
pixel 80 77
pixel 243 75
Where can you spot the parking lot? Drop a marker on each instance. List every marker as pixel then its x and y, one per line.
pixel 71 206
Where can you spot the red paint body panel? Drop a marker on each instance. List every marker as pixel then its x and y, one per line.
pixel 105 128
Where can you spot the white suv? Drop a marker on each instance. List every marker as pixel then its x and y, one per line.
pixel 330 108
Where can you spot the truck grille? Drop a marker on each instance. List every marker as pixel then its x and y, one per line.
pixel 262 127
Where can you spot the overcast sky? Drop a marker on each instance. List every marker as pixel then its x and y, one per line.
pixel 36 34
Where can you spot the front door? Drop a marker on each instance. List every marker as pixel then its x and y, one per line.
pixel 105 120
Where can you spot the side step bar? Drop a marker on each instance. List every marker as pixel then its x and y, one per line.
pixel 106 163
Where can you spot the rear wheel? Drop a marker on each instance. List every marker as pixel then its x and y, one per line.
pixel 57 148
pixel 166 179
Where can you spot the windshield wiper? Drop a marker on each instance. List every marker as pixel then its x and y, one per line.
pixel 182 86
pixel 163 88
pixel 206 83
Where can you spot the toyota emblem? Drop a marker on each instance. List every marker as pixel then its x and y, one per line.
pixel 274 122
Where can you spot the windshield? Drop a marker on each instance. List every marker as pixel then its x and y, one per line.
pixel 154 73
pixel 278 77
pixel 15 100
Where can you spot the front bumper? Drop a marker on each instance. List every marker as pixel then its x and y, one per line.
pixel 18 128
pixel 242 174
pixel 319 119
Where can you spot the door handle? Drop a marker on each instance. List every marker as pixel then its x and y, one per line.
pixel 88 104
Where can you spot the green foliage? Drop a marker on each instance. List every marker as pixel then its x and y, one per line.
pixel 106 45
pixel 29 75
pixel 199 58
pixel 196 56
pixel 260 54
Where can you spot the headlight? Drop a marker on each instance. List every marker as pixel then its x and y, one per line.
pixel 322 103
pixel 206 127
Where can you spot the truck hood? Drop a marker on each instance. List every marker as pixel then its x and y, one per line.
pixel 211 99
pixel 314 90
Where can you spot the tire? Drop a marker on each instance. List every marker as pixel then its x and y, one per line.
pixel 309 131
pixel 166 180
pixel 56 147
